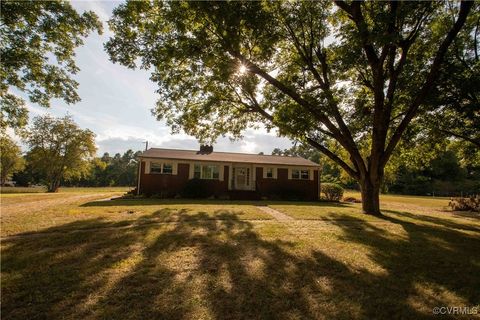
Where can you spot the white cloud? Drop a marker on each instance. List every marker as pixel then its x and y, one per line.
pixel 249 147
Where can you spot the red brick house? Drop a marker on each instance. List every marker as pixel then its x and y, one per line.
pixel 232 175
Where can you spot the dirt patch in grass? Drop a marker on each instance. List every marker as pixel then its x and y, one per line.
pixel 280 216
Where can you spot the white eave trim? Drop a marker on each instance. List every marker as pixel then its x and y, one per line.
pixel 228 162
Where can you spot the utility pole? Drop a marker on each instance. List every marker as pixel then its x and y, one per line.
pixel 140 170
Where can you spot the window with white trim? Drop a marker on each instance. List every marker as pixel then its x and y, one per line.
pixel 159 167
pixel 300 174
pixel 205 171
pixel 304 174
pixel 155 167
pixel 167 168
pixel 269 173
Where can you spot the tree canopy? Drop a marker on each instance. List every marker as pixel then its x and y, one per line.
pixel 119 170
pixel 59 150
pixel 356 73
pixel 455 102
pixel 11 158
pixel 38 41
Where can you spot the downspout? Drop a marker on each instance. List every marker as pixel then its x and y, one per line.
pixel 139 175
pixel 320 169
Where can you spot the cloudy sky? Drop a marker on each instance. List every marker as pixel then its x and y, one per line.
pixel 116 103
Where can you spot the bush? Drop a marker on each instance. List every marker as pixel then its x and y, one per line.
pixel 465 204
pixel 332 191
pixel 290 194
pixel 163 194
pixel 284 193
pixel 197 189
pixel 352 200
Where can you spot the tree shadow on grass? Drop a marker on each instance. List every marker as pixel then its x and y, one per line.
pixel 439 221
pixel 427 265
pixel 156 202
pixel 474 216
pixel 199 267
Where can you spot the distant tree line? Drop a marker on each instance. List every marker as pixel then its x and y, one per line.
pixel 119 170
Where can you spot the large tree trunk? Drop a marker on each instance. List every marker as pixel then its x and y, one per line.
pixel 370 196
pixel 53 186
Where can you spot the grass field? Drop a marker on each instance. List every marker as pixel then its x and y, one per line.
pixel 22 190
pixel 432 202
pixel 8 190
pixel 73 256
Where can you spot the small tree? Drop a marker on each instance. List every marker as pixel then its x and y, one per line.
pixel 60 150
pixel 11 158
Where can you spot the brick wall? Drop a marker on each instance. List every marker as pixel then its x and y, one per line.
pixel 284 187
pixel 170 185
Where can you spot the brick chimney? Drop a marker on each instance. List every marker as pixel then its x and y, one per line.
pixel 205 149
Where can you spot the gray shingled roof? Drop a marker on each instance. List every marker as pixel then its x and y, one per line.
pixel 226 157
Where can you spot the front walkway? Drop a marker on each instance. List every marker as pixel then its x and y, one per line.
pixel 280 216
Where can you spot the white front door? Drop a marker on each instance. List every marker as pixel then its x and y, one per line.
pixel 242 178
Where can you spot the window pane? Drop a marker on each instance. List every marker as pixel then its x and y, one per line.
pixel 197 171
pixel 216 174
pixel 269 173
pixel 207 172
pixel 295 174
pixel 155 167
pixel 167 168
pixel 304 174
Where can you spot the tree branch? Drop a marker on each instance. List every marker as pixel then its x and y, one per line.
pixel 255 107
pixel 308 60
pixel 324 84
pixel 475 141
pixel 334 157
pixel 355 14
pixel 465 8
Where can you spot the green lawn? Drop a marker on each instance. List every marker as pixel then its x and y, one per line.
pixel 37 212
pixel 178 259
pixel 431 202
